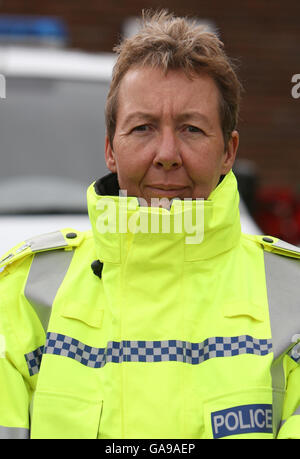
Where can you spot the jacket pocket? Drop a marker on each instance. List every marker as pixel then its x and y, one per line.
pixel 88 313
pixel 65 416
pixel 242 414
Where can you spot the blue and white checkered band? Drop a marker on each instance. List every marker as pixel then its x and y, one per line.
pixel 34 359
pixel 149 351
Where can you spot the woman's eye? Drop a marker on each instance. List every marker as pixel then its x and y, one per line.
pixel 141 128
pixel 194 129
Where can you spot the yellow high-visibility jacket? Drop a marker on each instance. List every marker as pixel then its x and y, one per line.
pixel 155 324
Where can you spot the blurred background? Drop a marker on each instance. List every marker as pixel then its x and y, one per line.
pixel 56 57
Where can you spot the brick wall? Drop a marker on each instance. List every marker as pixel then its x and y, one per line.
pixel 263 35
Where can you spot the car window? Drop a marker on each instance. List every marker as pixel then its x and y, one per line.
pixel 52 143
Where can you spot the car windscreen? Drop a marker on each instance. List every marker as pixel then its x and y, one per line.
pixel 52 135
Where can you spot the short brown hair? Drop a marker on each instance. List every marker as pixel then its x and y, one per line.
pixel 171 43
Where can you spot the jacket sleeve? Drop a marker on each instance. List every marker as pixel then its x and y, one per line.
pixel 14 392
pixel 20 333
pixel 290 426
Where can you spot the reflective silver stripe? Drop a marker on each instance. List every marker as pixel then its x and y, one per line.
pixel 283 286
pixel 8 257
pixel 13 433
pixel 47 241
pixel 46 274
pixel 297 412
pixel 286 246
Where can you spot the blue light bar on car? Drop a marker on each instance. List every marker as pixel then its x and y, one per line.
pixel 31 28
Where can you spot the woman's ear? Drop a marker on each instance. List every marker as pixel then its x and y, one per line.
pixel 110 156
pixel 230 152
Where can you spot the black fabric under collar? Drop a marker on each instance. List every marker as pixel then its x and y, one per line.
pixel 109 185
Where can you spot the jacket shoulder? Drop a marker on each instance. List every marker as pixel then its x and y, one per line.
pixel 67 239
pixel 276 246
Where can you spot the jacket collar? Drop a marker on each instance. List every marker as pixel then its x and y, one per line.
pixel 207 228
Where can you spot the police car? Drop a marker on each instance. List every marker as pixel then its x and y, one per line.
pixel 52 130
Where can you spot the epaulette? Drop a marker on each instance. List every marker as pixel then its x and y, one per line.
pixel 275 245
pixel 66 238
